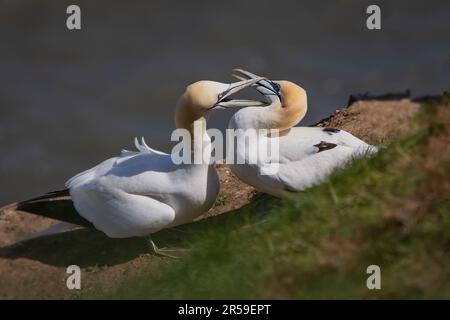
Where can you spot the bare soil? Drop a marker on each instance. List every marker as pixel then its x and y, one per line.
pixel 36 269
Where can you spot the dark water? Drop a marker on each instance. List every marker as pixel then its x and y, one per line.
pixel 71 99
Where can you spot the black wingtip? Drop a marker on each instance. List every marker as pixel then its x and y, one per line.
pixel 50 195
pixel 56 205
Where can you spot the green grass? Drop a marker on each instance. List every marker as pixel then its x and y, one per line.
pixel 392 210
pixel 223 199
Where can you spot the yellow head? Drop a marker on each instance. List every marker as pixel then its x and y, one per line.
pixel 294 104
pixel 287 102
pixel 203 97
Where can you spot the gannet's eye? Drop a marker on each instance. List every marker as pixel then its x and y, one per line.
pixel 276 86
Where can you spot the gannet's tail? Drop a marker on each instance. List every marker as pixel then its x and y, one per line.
pixel 55 205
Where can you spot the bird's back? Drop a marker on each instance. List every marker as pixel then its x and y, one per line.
pixel 307 156
pixel 138 194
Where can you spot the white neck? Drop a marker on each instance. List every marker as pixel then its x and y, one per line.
pixel 201 142
pixel 255 118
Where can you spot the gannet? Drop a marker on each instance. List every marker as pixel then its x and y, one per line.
pixel 306 155
pixel 140 193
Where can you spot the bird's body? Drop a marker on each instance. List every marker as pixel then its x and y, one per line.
pixel 137 194
pixel 305 156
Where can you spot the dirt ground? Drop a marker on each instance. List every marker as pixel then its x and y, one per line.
pixel 36 269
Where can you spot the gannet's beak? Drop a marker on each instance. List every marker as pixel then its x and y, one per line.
pixel 268 88
pixel 223 100
pixel 242 103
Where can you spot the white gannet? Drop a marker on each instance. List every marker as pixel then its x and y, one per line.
pixel 139 193
pixel 307 155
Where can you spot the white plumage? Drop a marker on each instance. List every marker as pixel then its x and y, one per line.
pixel 139 193
pixel 307 155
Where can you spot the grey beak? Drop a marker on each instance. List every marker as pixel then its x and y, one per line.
pixel 241 103
pixel 225 102
pixel 266 87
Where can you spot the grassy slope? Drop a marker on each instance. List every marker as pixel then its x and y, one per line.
pixel 391 210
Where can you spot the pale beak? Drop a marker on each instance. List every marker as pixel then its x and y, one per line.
pixel 266 87
pixel 225 102
pixel 244 74
pixel 241 103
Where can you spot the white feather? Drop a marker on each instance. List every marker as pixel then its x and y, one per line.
pixel 299 163
pixel 139 193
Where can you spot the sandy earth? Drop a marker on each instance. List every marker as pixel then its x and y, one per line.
pixel 36 269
